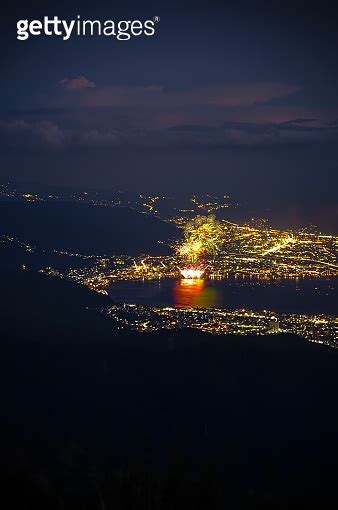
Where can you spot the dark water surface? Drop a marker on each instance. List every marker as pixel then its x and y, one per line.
pixel 283 295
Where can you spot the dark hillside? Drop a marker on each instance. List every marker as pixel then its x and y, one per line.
pixel 36 306
pixel 261 410
pixel 85 229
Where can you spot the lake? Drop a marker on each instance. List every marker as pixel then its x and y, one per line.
pixel 310 296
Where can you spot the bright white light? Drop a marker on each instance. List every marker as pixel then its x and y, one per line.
pixel 191 273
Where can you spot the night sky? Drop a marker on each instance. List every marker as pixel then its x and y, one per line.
pixel 234 97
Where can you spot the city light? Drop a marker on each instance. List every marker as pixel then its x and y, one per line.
pixel 212 249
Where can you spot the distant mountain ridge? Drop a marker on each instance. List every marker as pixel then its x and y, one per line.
pixel 85 229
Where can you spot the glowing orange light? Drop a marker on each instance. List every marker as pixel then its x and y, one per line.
pixel 186 292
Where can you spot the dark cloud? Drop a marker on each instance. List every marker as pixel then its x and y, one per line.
pixel 81 82
pixel 156 96
pixel 20 134
pixel 299 121
pixel 154 107
pixel 47 135
pixel 34 136
pixel 213 116
pixel 251 135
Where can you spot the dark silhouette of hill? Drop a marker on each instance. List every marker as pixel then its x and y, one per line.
pixel 85 229
pixel 13 256
pixel 261 410
pixel 35 306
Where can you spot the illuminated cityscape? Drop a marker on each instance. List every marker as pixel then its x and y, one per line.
pixel 246 251
pixel 317 328
pixel 208 249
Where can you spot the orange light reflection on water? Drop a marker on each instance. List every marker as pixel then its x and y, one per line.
pixel 193 293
